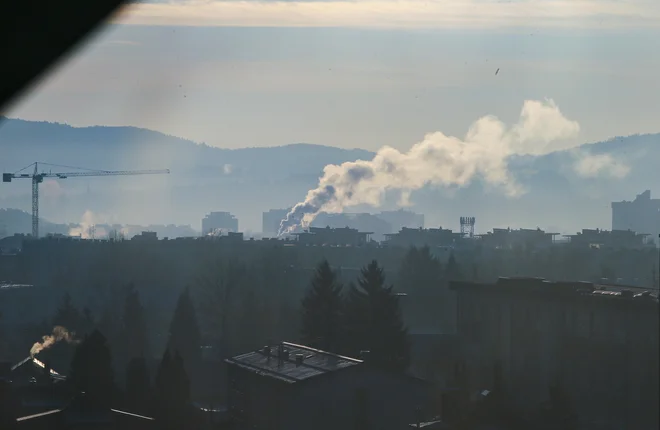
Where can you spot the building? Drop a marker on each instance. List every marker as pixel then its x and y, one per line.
pixel 506 238
pixel 333 237
pixel 294 387
pixel 599 345
pixel 419 237
pixel 590 238
pixel 271 220
pixel 219 221
pixel 642 215
pixel 402 218
pixel 358 221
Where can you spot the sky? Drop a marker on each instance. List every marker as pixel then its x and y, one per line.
pixel 358 73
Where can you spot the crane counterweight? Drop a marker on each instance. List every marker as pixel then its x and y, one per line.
pixel 38 177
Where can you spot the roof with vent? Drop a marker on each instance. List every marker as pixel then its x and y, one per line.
pixel 290 368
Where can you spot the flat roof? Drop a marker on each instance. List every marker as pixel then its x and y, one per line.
pixel 315 362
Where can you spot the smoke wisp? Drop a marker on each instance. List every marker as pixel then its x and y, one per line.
pixel 440 160
pixel 59 334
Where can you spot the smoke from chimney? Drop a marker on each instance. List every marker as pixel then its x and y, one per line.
pixel 439 160
pixel 59 333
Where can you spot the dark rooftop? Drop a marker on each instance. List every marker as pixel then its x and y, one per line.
pixel 298 362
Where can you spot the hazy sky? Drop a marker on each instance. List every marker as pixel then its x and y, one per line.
pixel 358 73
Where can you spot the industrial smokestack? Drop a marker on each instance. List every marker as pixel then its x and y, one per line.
pixel 439 160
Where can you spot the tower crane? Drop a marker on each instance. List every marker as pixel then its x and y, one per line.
pixel 38 177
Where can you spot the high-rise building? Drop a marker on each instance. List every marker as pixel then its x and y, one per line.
pixel 270 221
pixel 219 221
pixel 642 215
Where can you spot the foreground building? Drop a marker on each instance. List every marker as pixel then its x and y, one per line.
pixel 219 221
pixel 289 386
pixel 345 236
pixel 600 346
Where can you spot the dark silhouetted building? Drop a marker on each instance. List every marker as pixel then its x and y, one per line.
pixel 642 215
pixel 289 386
pixel 600 346
pixel 333 237
pixel 590 238
pixel 506 238
pixel 420 237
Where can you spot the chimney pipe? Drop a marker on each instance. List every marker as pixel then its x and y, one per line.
pixel 267 350
pixel 299 359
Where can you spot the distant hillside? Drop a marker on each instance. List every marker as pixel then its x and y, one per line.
pixel 249 181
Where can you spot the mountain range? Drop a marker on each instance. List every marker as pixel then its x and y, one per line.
pixel 250 181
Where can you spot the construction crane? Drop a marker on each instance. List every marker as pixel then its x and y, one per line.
pixel 38 177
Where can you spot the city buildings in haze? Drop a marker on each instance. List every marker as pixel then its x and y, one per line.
pixel 270 221
pixel 219 221
pixel 642 215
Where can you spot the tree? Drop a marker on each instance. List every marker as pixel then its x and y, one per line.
pixel 453 270
pixel 172 391
pixel 185 336
pixel 91 369
pixel 68 316
pixel 135 342
pixel 421 277
pixel 138 389
pixel 321 310
pixel 372 320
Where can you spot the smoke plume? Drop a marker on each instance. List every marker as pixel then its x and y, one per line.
pixel 86 228
pixel 439 160
pixel 59 334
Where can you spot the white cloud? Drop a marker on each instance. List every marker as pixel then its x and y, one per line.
pixel 597 165
pixel 396 14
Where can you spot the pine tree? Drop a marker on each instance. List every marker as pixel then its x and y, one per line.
pixel 372 320
pixel 133 327
pixel 185 336
pixel 138 389
pixel 172 388
pixel 453 270
pixel 69 317
pixel 321 310
pixel 91 369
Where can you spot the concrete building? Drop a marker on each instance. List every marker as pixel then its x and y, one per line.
pixel 596 238
pixel 642 215
pixel 419 237
pixel 358 221
pixel 270 221
pixel 219 221
pixel 402 218
pixel 333 237
pixel 506 238
pixel 600 345
pixel 294 387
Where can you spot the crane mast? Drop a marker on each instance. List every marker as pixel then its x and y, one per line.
pixel 38 177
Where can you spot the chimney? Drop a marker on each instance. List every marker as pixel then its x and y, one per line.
pixel 267 351
pixel 47 370
pixel 299 359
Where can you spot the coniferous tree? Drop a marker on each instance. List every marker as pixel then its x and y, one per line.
pixel 138 389
pixel 185 336
pixel 69 317
pixel 172 388
pixel 91 369
pixel 134 340
pixel 372 320
pixel 321 310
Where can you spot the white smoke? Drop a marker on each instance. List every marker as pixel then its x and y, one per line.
pixel 59 334
pixel 439 160
pixel 87 227
pixel 595 165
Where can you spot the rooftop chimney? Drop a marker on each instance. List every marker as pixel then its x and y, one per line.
pixel 267 350
pixel 299 359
